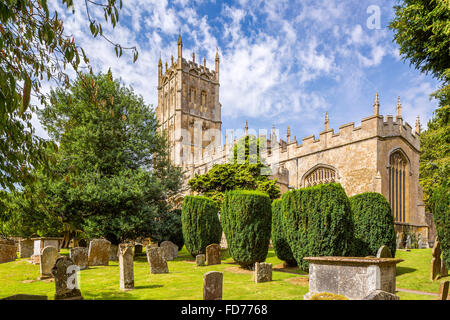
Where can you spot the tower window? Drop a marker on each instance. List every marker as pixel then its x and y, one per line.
pixel 398 186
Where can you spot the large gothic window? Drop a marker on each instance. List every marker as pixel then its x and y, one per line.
pixel 398 184
pixel 320 175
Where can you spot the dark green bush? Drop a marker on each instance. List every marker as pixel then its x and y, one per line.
pixel 279 242
pixel 318 222
pixel 246 220
pixel 172 228
pixel 440 204
pixel 200 224
pixel 373 224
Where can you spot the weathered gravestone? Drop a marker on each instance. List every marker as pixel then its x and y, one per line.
pixel 213 254
pixel 79 256
pixel 200 260
pixel 443 290
pixel 384 252
pixel 137 249
pixel 47 261
pixel 223 241
pixel 170 250
pixel 212 285
pixel 435 260
pixel 444 269
pixel 99 252
pixel 408 242
pixel 26 248
pixel 66 282
pixel 113 253
pixel 156 261
pixel 398 241
pixel 263 272
pixel 8 250
pixel 381 295
pixel 126 267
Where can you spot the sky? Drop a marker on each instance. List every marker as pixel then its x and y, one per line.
pixel 282 63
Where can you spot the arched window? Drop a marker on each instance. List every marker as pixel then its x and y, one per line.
pixel 398 185
pixel 320 175
pixel 203 107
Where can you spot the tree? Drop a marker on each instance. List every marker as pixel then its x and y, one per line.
pixel 112 173
pixel 33 46
pixel 245 171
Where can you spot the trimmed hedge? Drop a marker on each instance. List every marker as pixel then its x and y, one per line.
pixel 279 242
pixel 373 223
pixel 318 222
pixel 200 224
pixel 440 203
pixel 246 218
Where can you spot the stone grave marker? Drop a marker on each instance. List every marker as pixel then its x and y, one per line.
pixel 172 250
pixel 263 272
pixel 443 290
pixel 47 261
pixel 26 248
pixel 66 282
pixel 98 254
pixel 435 260
pixel 381 295
pixel 137 249
pixel 200 260
pixel 79 256
pixel 82 243
pixel 156 261
pixel 212 285
pixel 213 255
pixel 384 252
pixel 8 250
pixel 126 267
pixel 113 252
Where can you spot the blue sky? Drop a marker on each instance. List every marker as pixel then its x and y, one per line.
pixel 281 62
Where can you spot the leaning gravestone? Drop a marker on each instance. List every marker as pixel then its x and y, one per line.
pixel 48 259
pixel 66 282
pixel 99 252
pixel 443 290
pixel 79 256
pixel 200 260
pixel 126 267
pixel 435 260
pixel 170 250
pixel 156 261
pixel 212 285
pixel 26 248
pixel 263 272
pixel 384 252
pixel 213 254
pixel 113 253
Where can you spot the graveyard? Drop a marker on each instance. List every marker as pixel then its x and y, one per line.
pixel 184 280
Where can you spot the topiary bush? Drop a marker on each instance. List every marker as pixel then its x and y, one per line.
pixel 373 224
pixel 318 222
pixel 279 242
pixel 200 224
pixel 246 218
pixel 440 205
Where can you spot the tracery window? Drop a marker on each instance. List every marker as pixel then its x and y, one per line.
pixel 398 184
pixel 320 175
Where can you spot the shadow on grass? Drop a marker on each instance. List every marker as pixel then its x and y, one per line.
pixel 150 286
pixel 403 270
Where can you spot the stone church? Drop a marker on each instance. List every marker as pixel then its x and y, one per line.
pixel 381 155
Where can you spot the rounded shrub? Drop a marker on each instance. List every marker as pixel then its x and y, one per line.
pixel 440 205
pixel 246 218
pixel 200 224
pixel 318 222
pixel 373 224
pixel 279 242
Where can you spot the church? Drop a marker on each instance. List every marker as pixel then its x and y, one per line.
pixel 381 155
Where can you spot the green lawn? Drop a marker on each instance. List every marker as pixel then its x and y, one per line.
pixel 185 280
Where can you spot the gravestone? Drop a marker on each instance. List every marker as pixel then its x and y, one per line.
pixel 223 241
pixel 25 297
pixel 435 260
pixel 398 241
pixel 66 282
pixel 444 270
pixel 212 285
pixel 172 250
pixel 79 256
pixel 384 252
pixel 443 290
pixel 8 250
pixel 47 261
pixel 82 243
pixel 113 252
pixel 263 272
pixel 213 254
pixel 137 249
pixel 126 267
pixel 408 241
pixel 98 254
pixel 381 295
pixel 156 261
pixel 200 260
pixel 26 248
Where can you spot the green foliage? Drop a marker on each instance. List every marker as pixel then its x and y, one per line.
pixel 279 242
pixel 373 224
pixel 246 220
pixel 172 228
pixel 318 222
pixel 33 46
pixel 441 215
pixel 200 224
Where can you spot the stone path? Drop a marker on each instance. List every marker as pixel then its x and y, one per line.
pixel 418 292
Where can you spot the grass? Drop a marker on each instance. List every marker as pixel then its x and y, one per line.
pixel 185 280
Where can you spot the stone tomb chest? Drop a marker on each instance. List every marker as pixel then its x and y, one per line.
pixel 353 277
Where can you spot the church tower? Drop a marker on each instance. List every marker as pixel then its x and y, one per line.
pixel 188 110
